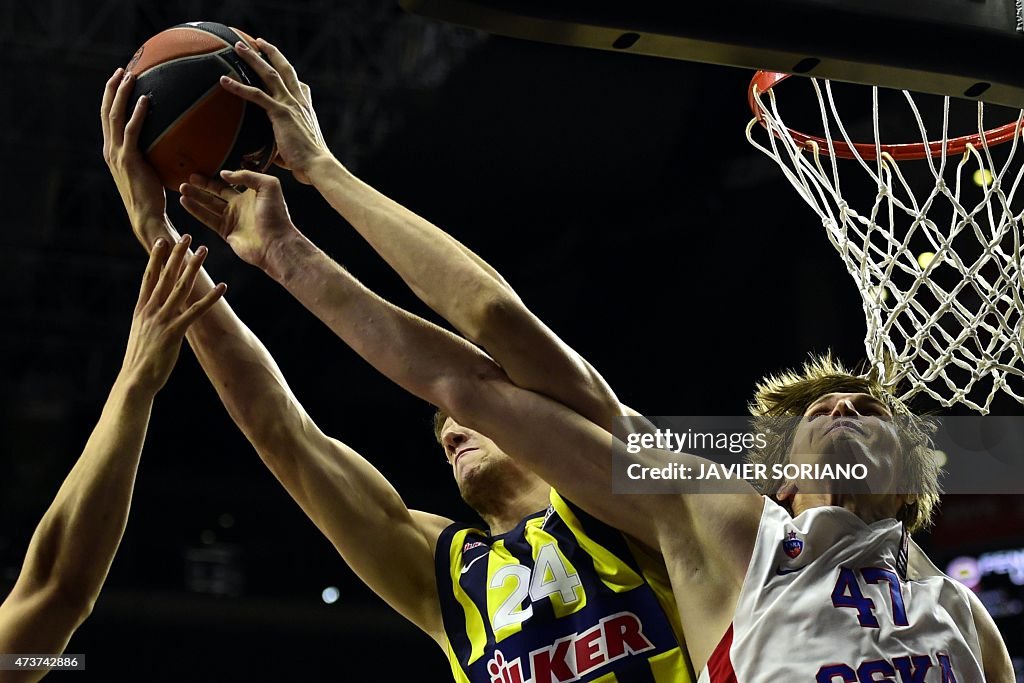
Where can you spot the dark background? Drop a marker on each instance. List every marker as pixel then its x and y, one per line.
pixel 615 192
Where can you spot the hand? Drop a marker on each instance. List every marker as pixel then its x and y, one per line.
pixel 162 314
pixel 251 221
pixel 289 106
pixel 137 181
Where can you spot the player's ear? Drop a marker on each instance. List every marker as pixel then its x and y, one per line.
pixel 786 492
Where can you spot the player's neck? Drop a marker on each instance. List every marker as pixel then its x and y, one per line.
pixel 507 511
pixel 869 507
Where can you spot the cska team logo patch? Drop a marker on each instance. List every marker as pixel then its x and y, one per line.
pixel 792 545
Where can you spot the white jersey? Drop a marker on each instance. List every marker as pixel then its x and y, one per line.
pixel 824 601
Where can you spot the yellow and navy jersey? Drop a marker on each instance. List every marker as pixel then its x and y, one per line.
pixel 561 597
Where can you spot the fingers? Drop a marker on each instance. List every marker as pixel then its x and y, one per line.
pixel 170 277
pixel 171 271
pixel 187 280
pixel 157 258
pixel 196 310
pixel 248 93
pixel 108 99
pixel 250 179
pixel 203 197
pixel 199 199
pixel 214 186
pixel 134 126
pixel 283 67
pixel 214 220
pixel 117 108
pixel 267 73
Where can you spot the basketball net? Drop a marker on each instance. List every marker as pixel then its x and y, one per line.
pixel 950 324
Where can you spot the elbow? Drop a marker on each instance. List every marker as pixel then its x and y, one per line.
pixel 59 575
pixel 272 422
pixel 495 316
pixel 471 398
pixel 79 608
pixel 269 435
pixel 69 601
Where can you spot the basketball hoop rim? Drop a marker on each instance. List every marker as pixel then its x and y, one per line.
pixel 763 81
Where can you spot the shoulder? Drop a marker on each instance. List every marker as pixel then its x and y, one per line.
pixel 430 526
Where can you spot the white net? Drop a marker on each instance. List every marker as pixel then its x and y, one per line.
pixel 936 255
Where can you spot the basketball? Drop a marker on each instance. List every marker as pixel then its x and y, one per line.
pixel 193 125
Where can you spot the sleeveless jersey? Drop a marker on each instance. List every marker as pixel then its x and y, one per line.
pixel 561 597
pixel 825 601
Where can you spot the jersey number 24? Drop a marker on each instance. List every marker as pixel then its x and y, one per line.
pixel 549 576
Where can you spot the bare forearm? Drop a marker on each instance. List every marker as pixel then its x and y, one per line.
pixel 451 373
pixel 241 369
pixel 348 499
pixel 76 540
pixel 472 296
pixel 256 395
pixel 415 354
pixel 444 274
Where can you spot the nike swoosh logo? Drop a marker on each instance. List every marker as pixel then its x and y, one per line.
pixel 782 572
pixel 474 561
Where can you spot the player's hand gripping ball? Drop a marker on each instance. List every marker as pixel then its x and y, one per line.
pixel 193 124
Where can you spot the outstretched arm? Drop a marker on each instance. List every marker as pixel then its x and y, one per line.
pixel 426 360
pixel 72 548
pixel 709 536
pixel 447 276
pixel 388 546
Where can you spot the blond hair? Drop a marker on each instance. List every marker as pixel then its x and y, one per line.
pixel 779 398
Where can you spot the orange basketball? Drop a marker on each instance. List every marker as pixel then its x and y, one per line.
pixel 193 125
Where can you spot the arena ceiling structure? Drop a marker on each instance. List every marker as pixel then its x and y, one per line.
pixel 615 192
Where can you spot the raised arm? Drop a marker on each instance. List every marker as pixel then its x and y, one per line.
pixel 706 539
pixel 388 546
pixel 447 276
pixel 426 360
pixel 72 548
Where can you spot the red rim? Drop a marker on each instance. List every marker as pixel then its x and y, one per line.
pixel 763 81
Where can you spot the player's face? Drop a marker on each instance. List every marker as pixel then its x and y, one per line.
pixel 850 428
pixel 468 452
